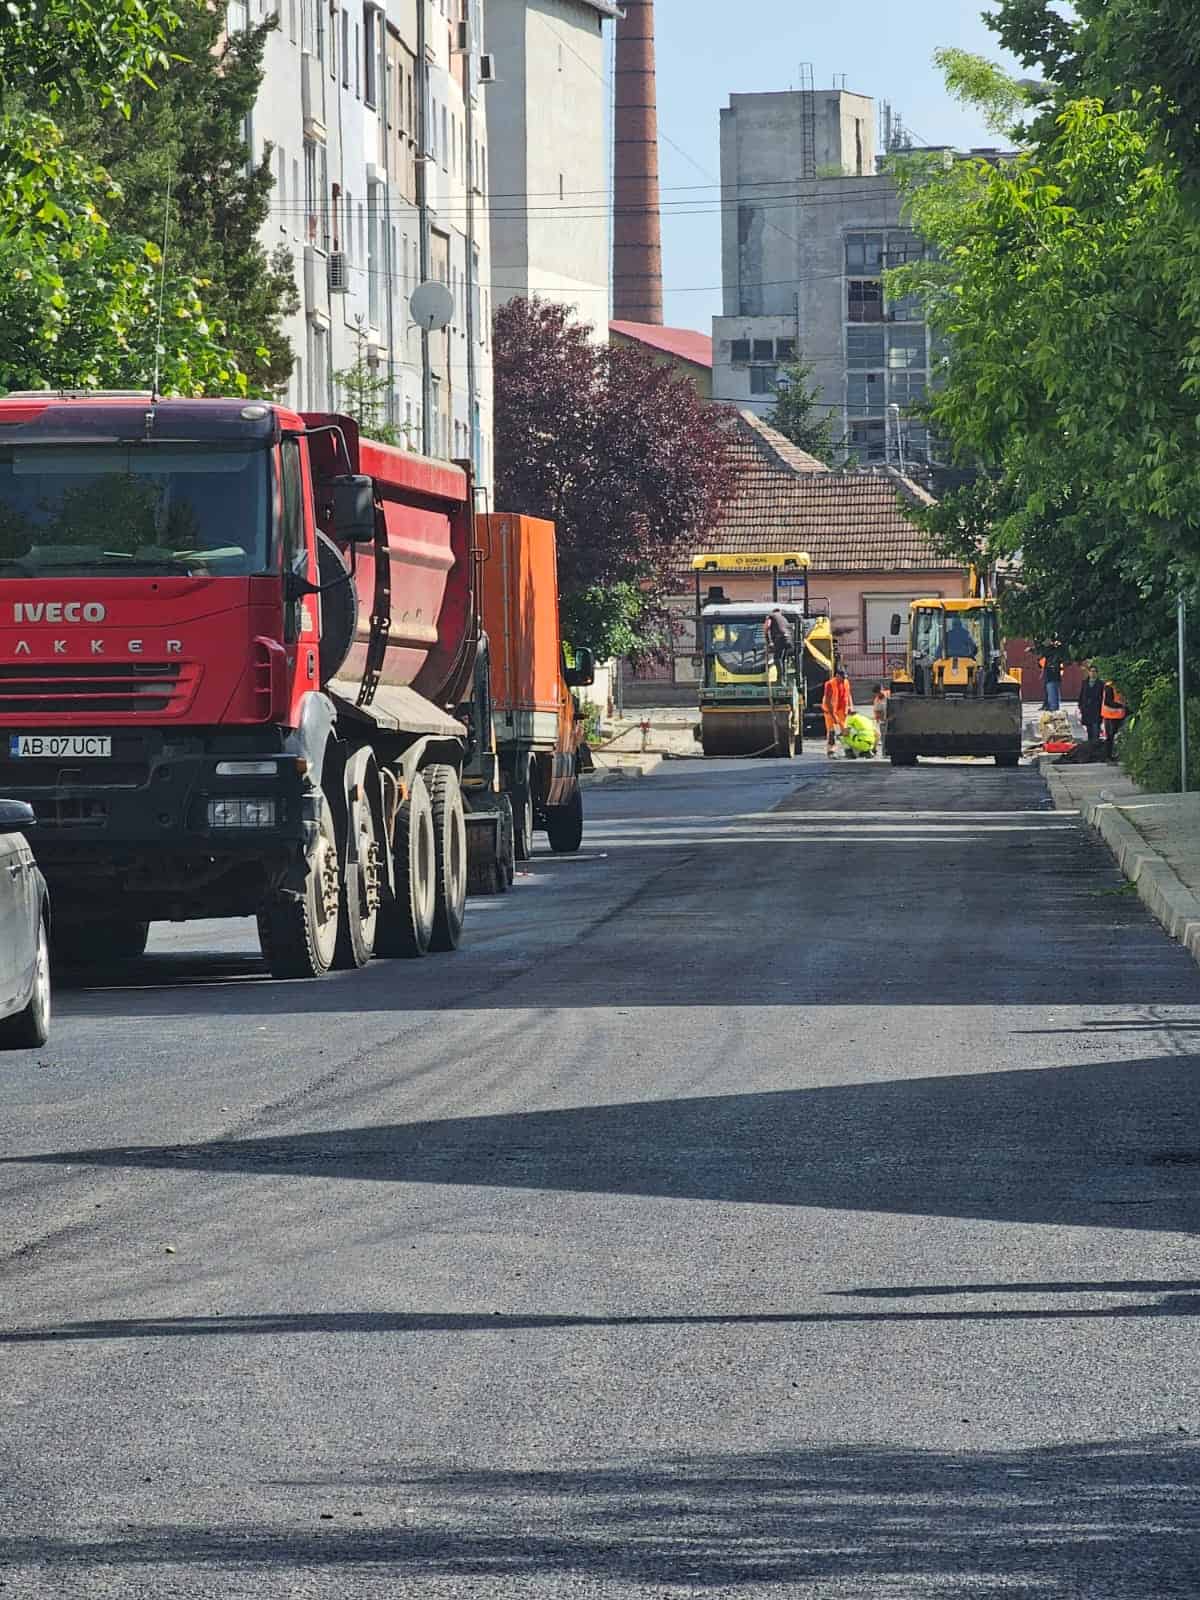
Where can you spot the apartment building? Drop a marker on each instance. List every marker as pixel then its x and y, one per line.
pixel 809 226
pixel 547 118
pixel 364 106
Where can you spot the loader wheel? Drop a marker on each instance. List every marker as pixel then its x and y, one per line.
pixel 405 925
pixel 564 824
pixel 450 857
pixel 299 937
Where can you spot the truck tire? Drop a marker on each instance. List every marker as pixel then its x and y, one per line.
pixel 564 824
pixel 299 937
pixel 98 944
pixel 339 607
pixel 30 1027
pixel 361 875
pixel 405 923
pixel 450 856
pixel 520 798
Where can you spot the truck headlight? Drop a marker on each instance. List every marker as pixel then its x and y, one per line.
pixel 241 813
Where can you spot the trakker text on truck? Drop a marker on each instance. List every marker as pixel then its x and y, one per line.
pixel 232 642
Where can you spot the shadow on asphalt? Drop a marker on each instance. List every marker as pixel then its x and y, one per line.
pixel 1095 1145
pixel 1179 1299
pixel 1107 1520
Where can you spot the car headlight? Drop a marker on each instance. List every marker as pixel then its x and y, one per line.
pixel 241 813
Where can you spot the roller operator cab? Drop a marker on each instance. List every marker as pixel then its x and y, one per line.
pixel 232 638
pixel 955 695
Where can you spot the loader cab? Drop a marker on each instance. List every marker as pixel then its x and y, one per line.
pixel 954 648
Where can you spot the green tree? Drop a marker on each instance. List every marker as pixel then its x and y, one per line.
pixel 799 413
pixel 187 133
pixel 364 396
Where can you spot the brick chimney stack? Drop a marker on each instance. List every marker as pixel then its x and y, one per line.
pixel 637 223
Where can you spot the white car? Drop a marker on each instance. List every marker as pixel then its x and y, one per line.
pixel 24 935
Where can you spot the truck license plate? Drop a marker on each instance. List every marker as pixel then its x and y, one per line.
pixel 60 746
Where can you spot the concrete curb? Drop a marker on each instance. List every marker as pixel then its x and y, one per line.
pixel 614 774
pixel 1162 891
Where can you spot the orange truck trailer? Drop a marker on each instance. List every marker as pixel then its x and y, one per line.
pixel 538 731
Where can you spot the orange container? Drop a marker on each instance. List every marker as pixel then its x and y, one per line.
pixel 519 603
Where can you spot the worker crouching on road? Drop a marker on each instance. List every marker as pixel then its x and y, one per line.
pixel 836 705
pixel 879 705
pixel 859 735
pixel 1113 711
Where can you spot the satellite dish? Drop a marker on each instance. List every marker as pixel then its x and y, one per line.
pixel 432 306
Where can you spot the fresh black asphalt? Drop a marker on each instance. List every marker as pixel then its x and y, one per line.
pixel 795 1194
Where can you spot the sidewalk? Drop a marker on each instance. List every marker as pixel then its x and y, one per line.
pixel 1154 837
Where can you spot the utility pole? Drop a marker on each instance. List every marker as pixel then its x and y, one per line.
pixel 423 221
pixel 1181 621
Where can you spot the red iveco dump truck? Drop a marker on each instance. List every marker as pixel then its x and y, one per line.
pixel 233 643
pixel 538 732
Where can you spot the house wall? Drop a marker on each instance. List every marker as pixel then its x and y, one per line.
pixel 700 376
pixel 548 115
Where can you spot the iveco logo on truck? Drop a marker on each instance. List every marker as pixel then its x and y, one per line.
pixel 58 611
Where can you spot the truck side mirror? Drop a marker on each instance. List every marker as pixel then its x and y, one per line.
pixel 353 495
pixel 895 627
pixel 583 673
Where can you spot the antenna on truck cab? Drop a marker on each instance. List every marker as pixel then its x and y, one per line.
pixel 162 284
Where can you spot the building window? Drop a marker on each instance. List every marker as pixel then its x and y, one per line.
pixel 764 350
pixel 903 248
pixel 370 55
pixel 785 349
pixel 864 394
pixel 740 352
pixel 864 255
pixel 906 388
pixel 868 440
pixel 865 300
pixel 763 380
pixel 910 309
pixel 347 58
pixel 374 252
pixel 864 348
pixel 445 141
pixel 906 347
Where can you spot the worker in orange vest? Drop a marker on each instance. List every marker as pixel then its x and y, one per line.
pixel 1113 712
pixel 836 705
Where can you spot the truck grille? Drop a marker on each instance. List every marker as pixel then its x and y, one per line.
pixel 100 688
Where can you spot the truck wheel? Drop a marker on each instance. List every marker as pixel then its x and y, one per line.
pixel 95 944
pixel 521 799
pixel 508 847
pixel 359 914
pixel 30 1028
pixel 564 824
pixel 299 937
pixel 450 856
pixel 405 924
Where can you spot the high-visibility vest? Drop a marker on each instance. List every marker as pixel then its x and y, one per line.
pixel 1114 713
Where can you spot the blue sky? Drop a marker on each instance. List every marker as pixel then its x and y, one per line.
pixel 884 47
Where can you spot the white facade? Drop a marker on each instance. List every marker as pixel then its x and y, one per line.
pixel 340 105
pixel 548 118
pixel 802 271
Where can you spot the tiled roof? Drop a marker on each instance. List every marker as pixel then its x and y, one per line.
pixel 846 521
pixel 683 343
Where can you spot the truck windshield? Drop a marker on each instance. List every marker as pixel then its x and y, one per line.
pixel 67 510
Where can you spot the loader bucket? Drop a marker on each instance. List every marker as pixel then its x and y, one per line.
pixel 919 725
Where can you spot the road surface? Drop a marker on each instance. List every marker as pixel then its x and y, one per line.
pixel 793 1194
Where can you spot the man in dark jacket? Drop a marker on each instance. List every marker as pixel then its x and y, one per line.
pixel 1091 697
pixel 781 637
